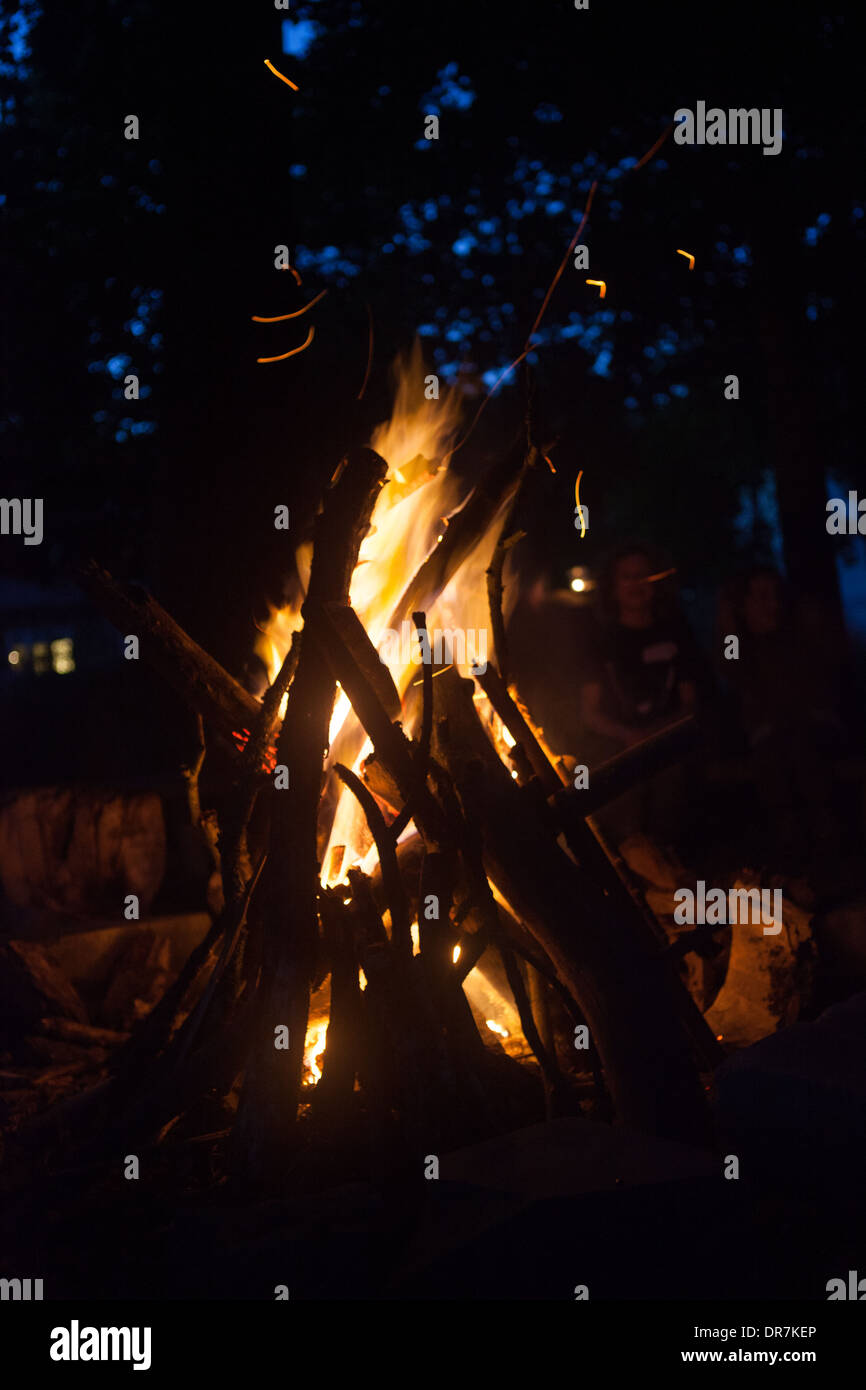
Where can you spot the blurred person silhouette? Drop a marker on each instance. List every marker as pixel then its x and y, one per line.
pixel 787 682
pixel 642 671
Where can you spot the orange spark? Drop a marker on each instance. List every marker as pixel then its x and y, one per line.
pixel 283 355
pixel 571 246
pixel 288 82
pixel 440 672
pixel 369 355
pixel 579 507
pixel 549 464
pixel 602 285
pixel 658 144
pixel 528 348
pixel 691 258
pixel 278 318
pixel 662 574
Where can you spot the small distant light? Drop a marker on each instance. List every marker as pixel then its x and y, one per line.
pixel 14 657
pixel 455 954
pixel 346 902
pixel 514 774
pixel 578 585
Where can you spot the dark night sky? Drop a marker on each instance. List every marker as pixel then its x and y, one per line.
pixel 152 255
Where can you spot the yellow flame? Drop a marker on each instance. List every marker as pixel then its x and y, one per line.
pixel 314 1046
pixel 409 519
pixel 456 953
pixel 496 1028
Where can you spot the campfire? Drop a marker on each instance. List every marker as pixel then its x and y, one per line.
pixel 424 937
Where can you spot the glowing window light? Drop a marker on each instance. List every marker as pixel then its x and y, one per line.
pixel 62 659
pixel 41 658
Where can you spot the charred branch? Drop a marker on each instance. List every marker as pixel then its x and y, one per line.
pixel 624 990
pixel 193 673
pixel 290 881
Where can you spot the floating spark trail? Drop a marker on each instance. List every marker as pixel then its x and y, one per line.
pixel 288 81
pixel 369 354
pixel 657 146
pixel 279 318
pixel 528 348
pixel 283 355
pixel 579 507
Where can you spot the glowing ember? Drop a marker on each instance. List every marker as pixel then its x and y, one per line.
pixel 241 738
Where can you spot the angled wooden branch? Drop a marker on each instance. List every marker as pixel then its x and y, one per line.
pixel 392 881
pixel 193 673
pixel 290 881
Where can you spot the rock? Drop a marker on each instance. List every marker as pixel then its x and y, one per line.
pixel 32 986
pixel 769 977
pixel 139 979
pixel 80 850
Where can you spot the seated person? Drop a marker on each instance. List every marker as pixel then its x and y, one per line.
pixel 786 680
pixel 640 675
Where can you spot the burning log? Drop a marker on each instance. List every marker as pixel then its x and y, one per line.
pixel 464 529
pixel 287 922
pixel 339 633
pixel 626 992
pixel 588 843
pixel 619 774
pixel 346 1021
pixel 506 707
pixel 392 881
